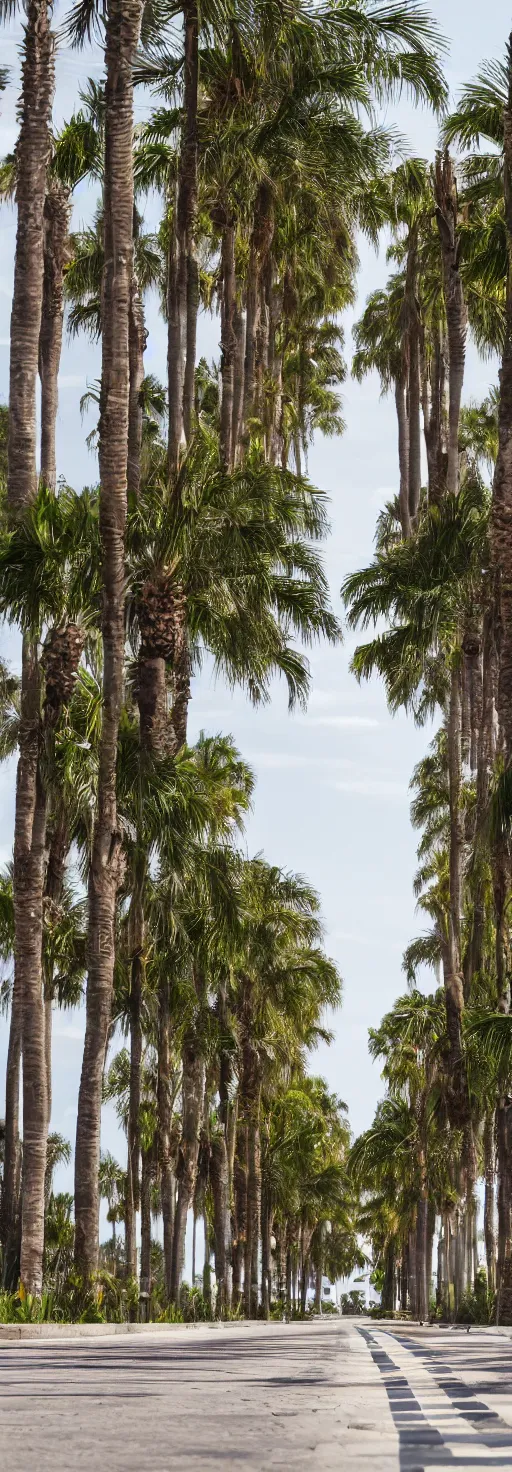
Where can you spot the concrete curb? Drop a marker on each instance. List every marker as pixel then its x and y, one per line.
pixel 13 1333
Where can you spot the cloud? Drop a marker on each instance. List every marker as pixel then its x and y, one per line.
pixel 71 380
pixel 373 787
pixel 342 722
pixel 351 936
pixel 281 760
pixel 67 1030
pixel 324 698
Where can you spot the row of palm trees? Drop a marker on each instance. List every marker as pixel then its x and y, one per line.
pixel 440 580
pixel 202 537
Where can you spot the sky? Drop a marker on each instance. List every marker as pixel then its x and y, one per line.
pixel 332 799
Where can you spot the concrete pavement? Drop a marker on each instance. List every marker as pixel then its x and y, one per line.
pixel 322 1395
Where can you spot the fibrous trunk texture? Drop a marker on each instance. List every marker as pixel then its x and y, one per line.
pixel 250 1103
pixel 222 1223
pixel 489 1201
pixel 123 19
pixel 137 344
pixel 504 1153
pixel 135 1012
pixel 455 306
pixel 57 212
pixel 412 352
pixel 454 984
pixel 501 516
pixel 240 1207
pixel 165 1158
pixel 145 1221
pixel 228 343
pixel 403 454
pixel 32 155
pixel 10 1220
pixel 193 1082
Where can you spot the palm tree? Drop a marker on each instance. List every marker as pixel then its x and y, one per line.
pixel 111 1185
pixel 34 145
pixel 420 671
pixel 122 36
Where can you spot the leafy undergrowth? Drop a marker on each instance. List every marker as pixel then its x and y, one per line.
pixel 107 1301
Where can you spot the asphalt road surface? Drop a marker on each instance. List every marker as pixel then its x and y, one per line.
pixel 329 1394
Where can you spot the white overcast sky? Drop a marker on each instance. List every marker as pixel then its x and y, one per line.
pixel 332 785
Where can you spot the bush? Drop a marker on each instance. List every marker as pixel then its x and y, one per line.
pixel 477 1305
pixel 353 1302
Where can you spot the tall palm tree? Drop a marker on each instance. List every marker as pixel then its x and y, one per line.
pixel 420 670
pixel 33 152
pixel 121 40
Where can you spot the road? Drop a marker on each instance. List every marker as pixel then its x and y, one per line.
pixel 323 1395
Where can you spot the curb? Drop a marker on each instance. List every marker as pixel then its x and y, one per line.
pixel 13 1333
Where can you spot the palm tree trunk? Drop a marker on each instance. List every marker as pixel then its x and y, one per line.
pixel 221 1223
pixel 454 986
pixel 403 455
pixel 261 238
pixel 10 1220
pixel 167 1178
pixel 55 874
pixel 240 1206
pixel 456 312
pixel 176 339
pixel 501 544
pixel 441 1272
pixel 222 1163
pixel 228 343
pixel 187 204
pixel 459 1269
pixel 182 271
pixel 33 151
pixel 265 1253
pixel 451 1254
pixel 250 1101
pixel 413 1288
pixel 275 371
pixel 145 1221
pixel 32 155
pixel 207 1277
pixel 414 384
pixel 434 421
pixel 473 958
pixel 504 1151
pixel 414 426
pixel 137 345
pixel 239 327
pixel 122 35
pixel 57 211
pixel 421 1258
pixel 411 365
pixel 489 1201
pixel 193 1083
pixel 28 890
pixel 288 1280
pixel 251 328
pixel 134 1098
pixel 431 1227
pixel 181 671
pixel 404 1275
pixel 388 1289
